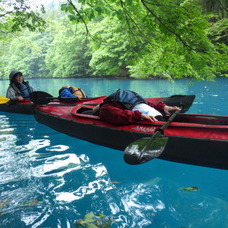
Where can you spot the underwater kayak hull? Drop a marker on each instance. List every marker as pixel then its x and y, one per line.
pixel 193 139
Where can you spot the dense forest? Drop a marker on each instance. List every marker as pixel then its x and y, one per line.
pixel 115 38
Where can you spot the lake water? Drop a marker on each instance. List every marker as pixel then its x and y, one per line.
pixel 48 179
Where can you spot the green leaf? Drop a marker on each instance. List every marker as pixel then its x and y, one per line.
pixel 92 226
pixel 89 217
pixel 190 189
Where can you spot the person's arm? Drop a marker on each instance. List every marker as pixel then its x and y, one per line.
pixel 162 107
pixel 167 109
pixel 159 106
pixel 12 94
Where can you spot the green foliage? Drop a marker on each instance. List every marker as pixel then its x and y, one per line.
pixel 94 221
pixel 171 38
pixel 218 31
pixel 47 54
pixel 16 15
pixel 26 53
pixel 111 48
pixel 190 189
pixel 69 54
pixel 163 61
pixel 166 39
pixel 214 6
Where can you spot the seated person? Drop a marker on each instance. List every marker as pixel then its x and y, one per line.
pixel 18 88
pixel 115 110
pixel 72 92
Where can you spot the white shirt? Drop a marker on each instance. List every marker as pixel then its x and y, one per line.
pixel 146 109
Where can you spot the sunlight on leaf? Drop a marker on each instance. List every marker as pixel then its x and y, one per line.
pixel 94 221
pixel 190 189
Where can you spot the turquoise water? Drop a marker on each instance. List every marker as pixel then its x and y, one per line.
pixel 48 179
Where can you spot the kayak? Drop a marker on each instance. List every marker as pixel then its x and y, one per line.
pixel 24 107
pixel 195 139
pixel 27 105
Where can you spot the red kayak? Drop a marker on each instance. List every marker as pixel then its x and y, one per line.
pixel 192 138
pixel 24 107
pixel 27 105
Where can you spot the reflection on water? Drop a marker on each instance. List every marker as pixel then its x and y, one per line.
pixel 48 184
pixel 39 179
pixel 96 180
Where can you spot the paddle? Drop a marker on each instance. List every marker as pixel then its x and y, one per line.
pixel 145 149
pixel 40 97
pixel 4 100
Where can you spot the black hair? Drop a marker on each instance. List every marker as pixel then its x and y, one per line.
pixel 60 91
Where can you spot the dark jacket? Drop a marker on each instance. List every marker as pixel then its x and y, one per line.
pixel 115 113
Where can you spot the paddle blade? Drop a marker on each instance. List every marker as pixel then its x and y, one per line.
pixel 184 101
pixel 4 100
pixel 40 97
pixel 144 149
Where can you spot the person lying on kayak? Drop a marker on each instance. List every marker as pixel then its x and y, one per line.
pixel 124 107
pixel 18 88
pixel 70 91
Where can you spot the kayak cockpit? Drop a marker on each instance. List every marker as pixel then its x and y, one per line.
pixel 85 111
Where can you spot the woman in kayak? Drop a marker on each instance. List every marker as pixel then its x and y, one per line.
pixel 124 107
pixel 72 92
pixel 18 88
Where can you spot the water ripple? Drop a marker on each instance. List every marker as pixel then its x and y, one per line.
pixel 50 180
pixel 37 177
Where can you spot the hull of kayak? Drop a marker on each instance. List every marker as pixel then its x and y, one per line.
pixel 25 107
pixel 193 139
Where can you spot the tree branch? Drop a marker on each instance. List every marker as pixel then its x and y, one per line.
pixel 6 13
pixel 127 17
pixel 81 17
pixel 164 25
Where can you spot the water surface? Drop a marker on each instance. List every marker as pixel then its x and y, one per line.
pixel 48 179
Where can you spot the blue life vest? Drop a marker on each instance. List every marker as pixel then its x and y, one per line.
pixel 24 89
pixel 126 97
pixel 66 92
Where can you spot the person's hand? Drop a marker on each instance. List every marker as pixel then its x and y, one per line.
pixel 167 109
pixel 20 98
pixel 148 117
